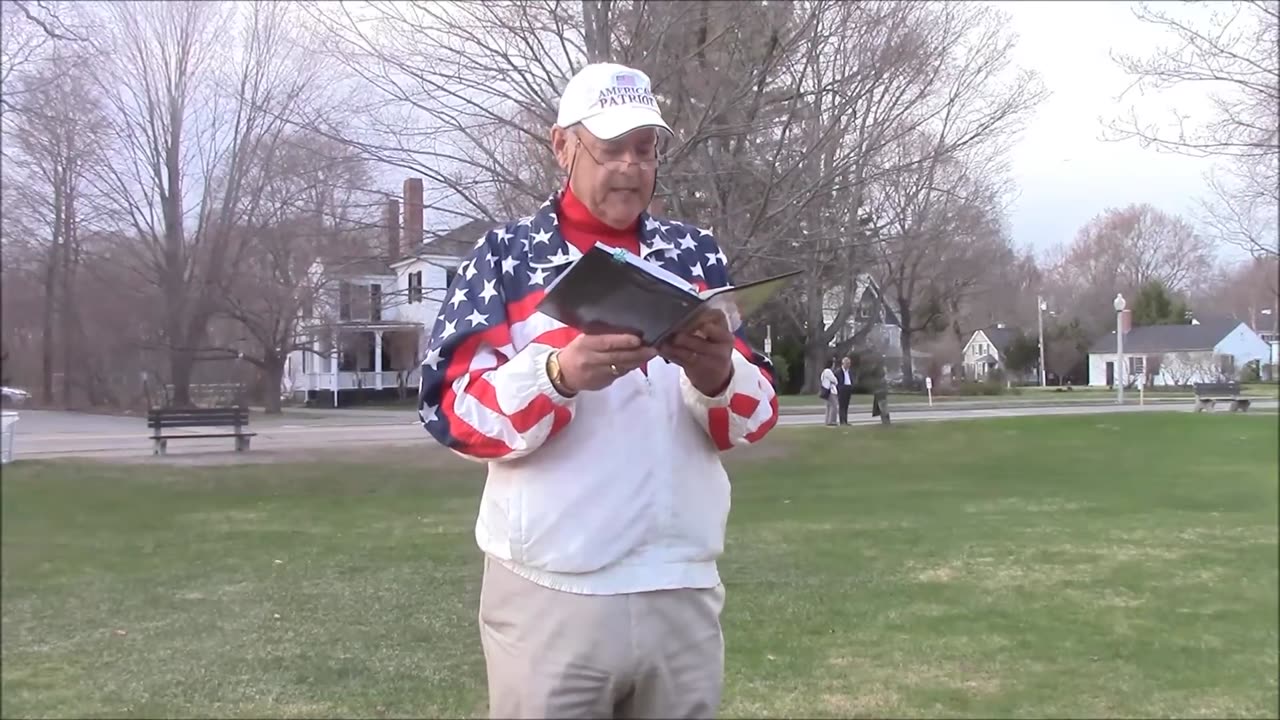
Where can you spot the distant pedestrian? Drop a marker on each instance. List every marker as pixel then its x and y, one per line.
pixel 830 392
pixel 845 378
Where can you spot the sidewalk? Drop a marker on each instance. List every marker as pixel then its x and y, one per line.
pixel 992 403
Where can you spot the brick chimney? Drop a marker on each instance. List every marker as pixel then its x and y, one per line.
pixel 1126 321
pixel 393 229
pixel 413 213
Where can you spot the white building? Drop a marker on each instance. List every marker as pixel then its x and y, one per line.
pixel 987 351
pixel 1267 325
pixel 1157 355
pixel 367 329
pixel 875 326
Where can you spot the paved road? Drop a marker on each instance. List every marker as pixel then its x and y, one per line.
pixel 46 434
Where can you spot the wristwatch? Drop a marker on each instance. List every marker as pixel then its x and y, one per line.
pixel 556 374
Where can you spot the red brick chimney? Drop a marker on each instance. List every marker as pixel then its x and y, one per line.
pixel 1126 321
pixel 413 213
pixel 393 229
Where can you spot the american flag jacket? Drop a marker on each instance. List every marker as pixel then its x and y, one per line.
pixel 483 390
pixel 619 490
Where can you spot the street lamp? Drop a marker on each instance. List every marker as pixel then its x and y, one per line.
pixel 1118 304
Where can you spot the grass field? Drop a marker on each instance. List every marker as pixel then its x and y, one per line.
pixel 1119 565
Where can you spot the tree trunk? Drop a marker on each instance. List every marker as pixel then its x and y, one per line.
pixel 904 316
pixel 46 329
pixel 67 303
pixel 51 300
pixel 272 375
pixel 595 18
pixel 815 347
pixel 181 365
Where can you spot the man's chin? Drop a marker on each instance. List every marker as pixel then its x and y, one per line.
pixel 622 215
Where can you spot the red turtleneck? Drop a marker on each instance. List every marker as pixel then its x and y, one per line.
pixel 583 229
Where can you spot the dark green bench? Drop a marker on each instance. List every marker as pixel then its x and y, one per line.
pixel 1209 394
pixel 161 420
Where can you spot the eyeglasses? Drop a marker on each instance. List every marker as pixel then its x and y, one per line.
pixel 618 164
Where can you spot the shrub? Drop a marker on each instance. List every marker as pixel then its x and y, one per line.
pixel 781 368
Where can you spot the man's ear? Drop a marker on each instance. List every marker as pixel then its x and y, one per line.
pixel 561 146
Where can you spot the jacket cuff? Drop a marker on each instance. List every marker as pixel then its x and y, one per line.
pixel 542 381
pixel 695 398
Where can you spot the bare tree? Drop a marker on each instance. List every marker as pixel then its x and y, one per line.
pixel 193 117
pixel 313 207
pixel 1121 250
pixel 54 147
pixel 943 241
pixel 1234 49
pixel 29 32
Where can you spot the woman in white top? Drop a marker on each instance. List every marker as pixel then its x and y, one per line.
pixel 829 388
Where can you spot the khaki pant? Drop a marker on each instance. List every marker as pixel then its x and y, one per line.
pixel 552 654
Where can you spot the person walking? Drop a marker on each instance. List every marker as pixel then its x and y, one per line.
pixel 830 392
pixel 603 512
pixel 844 387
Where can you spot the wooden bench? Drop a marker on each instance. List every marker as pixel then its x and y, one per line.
pixel 1208 394
pixel 159 420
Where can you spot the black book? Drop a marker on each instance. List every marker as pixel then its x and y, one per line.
pixel 613 291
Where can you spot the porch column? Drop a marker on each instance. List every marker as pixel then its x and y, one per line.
pixel 333 365
pixel 377 357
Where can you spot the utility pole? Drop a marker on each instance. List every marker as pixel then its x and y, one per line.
pixel 1040 308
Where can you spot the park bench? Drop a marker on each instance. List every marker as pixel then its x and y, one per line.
pixel 160 420
pixel 1208 394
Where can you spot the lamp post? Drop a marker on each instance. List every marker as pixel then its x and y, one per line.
pixel 1274 343
pixel 1041 306
pixel 1118 304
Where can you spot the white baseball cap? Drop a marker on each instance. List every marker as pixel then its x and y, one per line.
pixel 610 100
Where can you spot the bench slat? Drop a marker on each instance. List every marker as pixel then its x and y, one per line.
pixel 201 422
pixel 196 436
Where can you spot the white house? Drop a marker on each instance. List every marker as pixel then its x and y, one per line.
pixel 987 351
pixel 1267 325
pixel 880 329
pixel 367 328
pixel 1209 351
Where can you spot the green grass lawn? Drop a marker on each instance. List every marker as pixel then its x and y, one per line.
pixel 1119 565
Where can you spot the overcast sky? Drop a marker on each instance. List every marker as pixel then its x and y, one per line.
pixel 1065 173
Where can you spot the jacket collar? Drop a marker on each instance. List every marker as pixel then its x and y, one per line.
pixel 546 246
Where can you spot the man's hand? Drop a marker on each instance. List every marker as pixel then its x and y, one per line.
pixel 705 351
pixel 593 362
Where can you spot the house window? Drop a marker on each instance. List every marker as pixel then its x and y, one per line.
pixel 1137 365
pixel 344 301
pixel 415 286
pixel 1227 365
pixel 449 276
pixel 375 302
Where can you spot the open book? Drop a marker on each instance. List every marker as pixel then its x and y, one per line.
pixel 615 291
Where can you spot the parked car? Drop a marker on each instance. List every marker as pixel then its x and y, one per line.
pixel 13 397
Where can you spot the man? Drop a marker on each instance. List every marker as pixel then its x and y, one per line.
pixel 844 387
pixel 604 509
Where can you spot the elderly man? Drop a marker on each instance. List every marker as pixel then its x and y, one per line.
pixel 605 505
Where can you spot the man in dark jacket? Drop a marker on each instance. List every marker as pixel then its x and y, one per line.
pixel 844 387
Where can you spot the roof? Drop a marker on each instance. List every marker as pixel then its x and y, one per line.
pixel 1169 338
pixel 454 243
pixel 1001 337
pixel 348 267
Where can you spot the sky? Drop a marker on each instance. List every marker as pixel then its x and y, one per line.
pixel 1065 173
